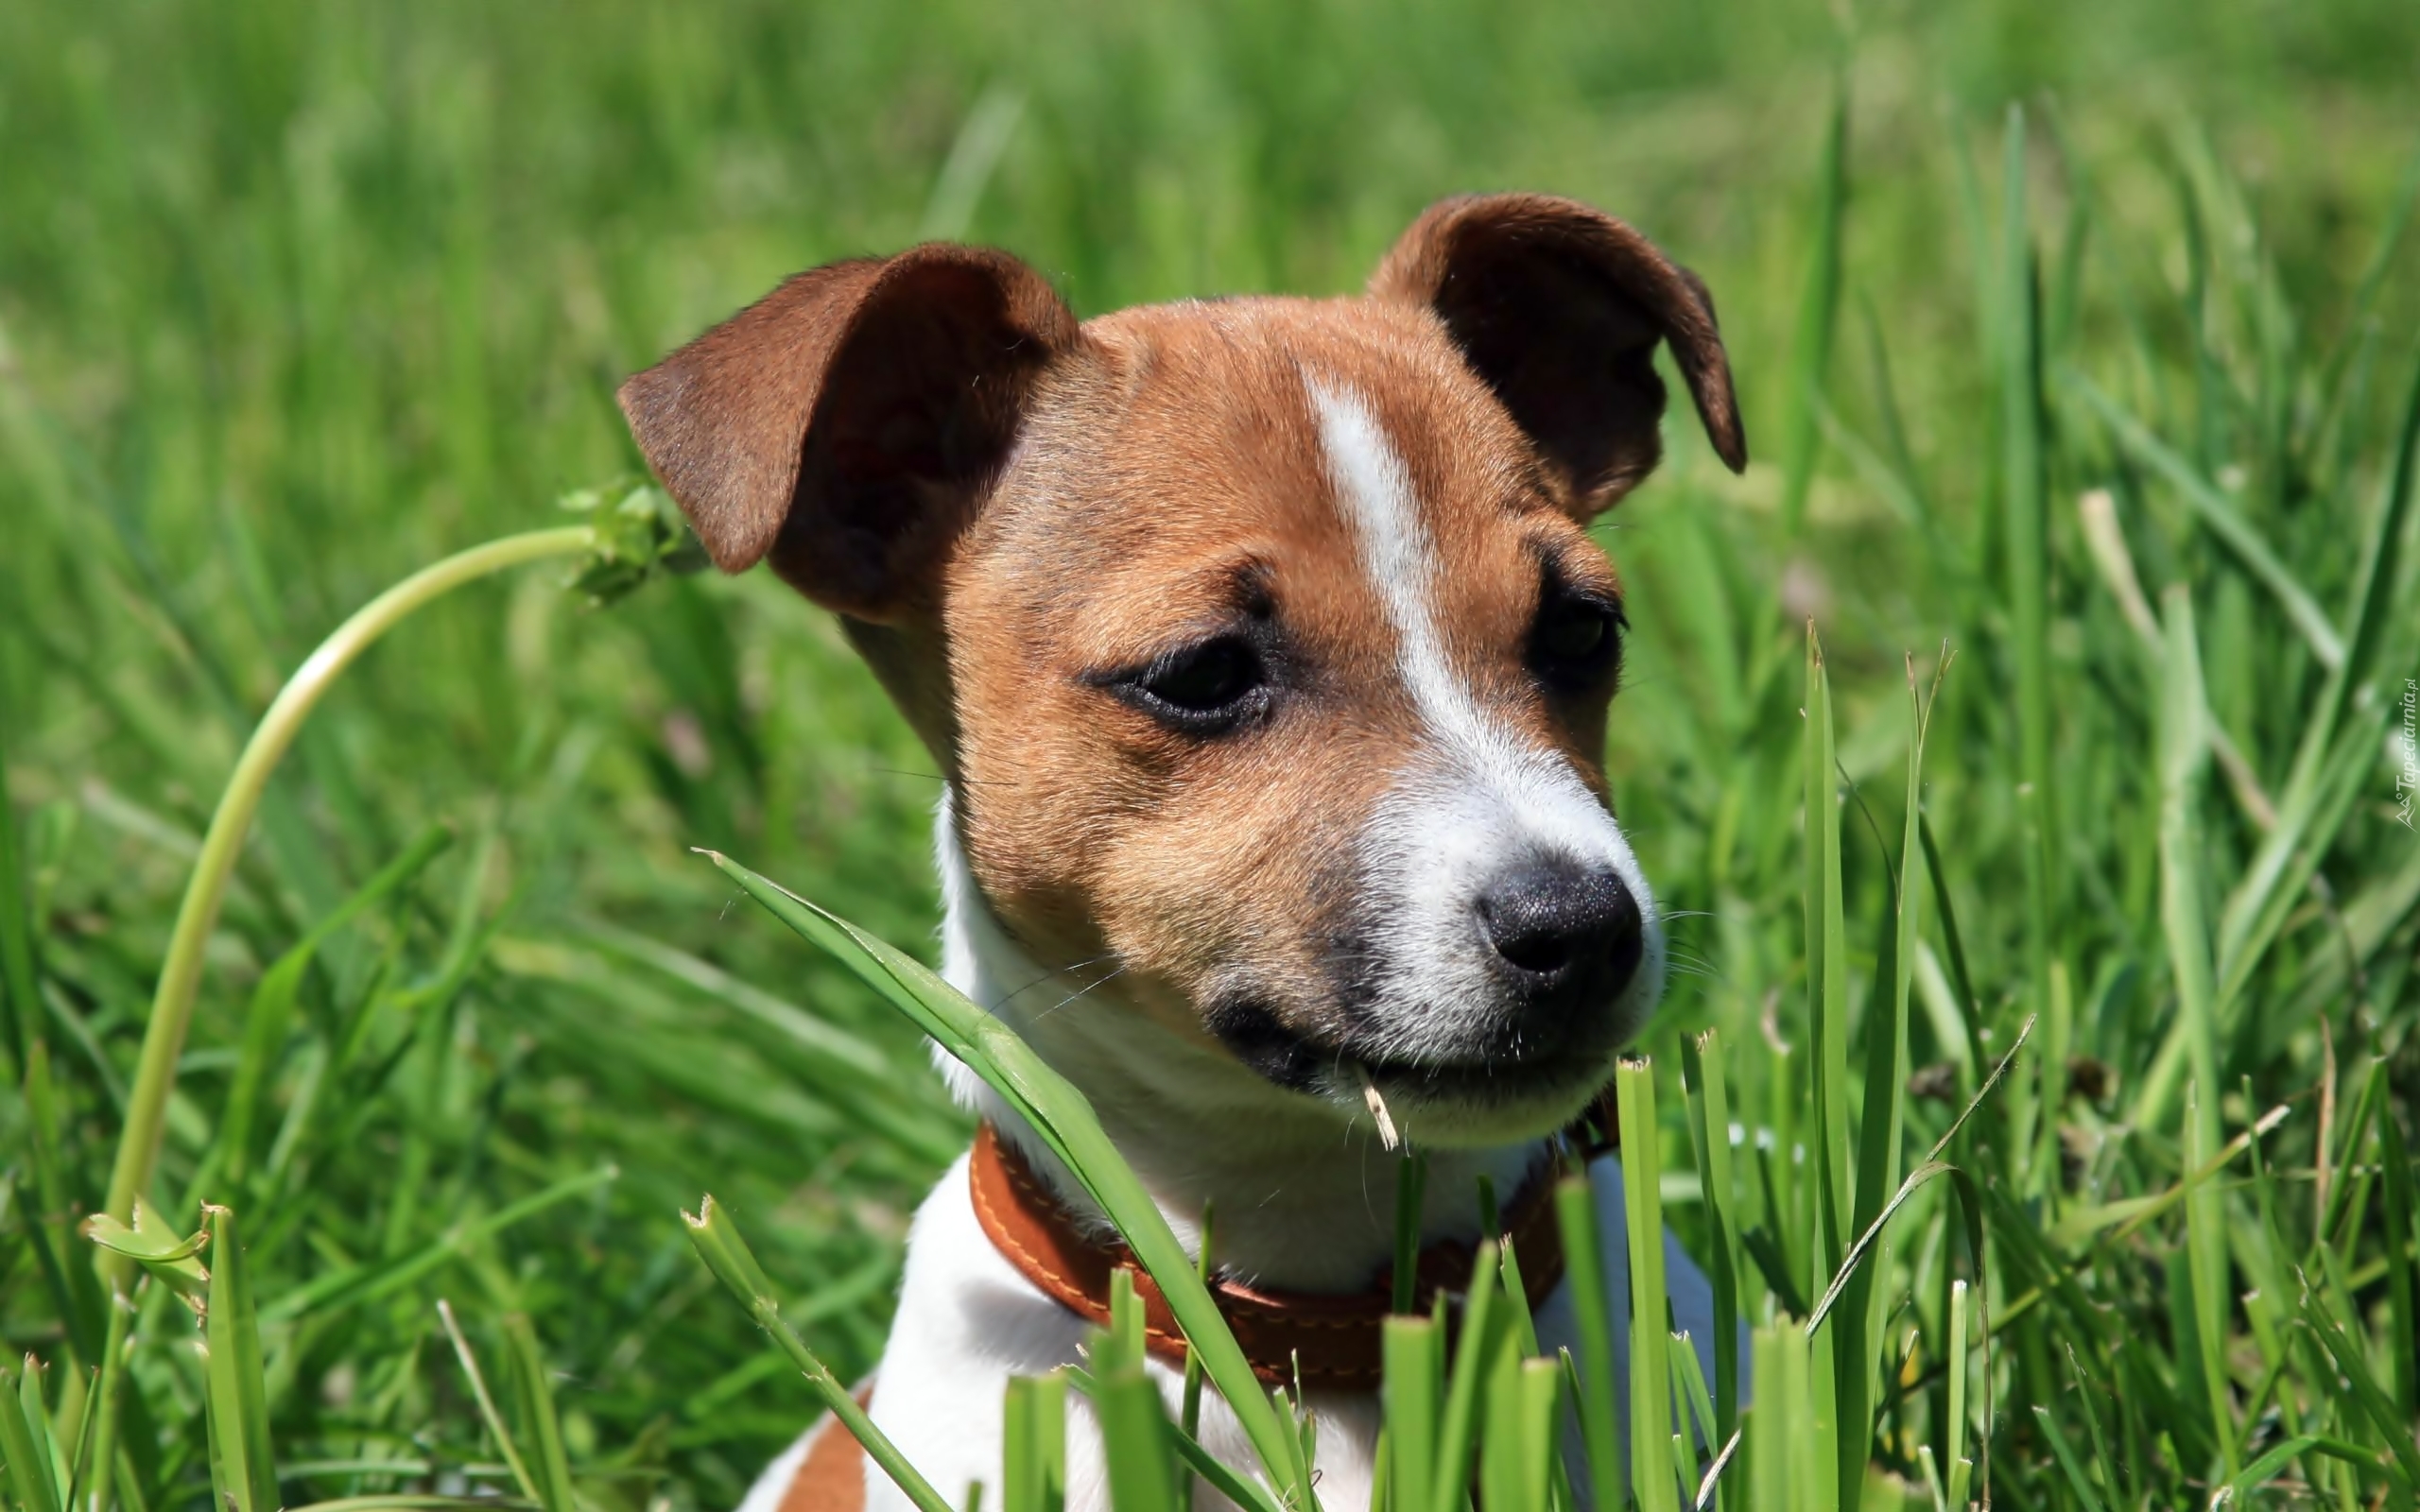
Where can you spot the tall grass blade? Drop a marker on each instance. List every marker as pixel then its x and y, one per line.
pixel 1135 1440
pixel 1953 1451
pixel 1539 1427
pixel 2206 1261
pixel 540 1424
pixel 1575 1204
pixel 972 157
pixel 96 1458
pixel 1818 313
pixel 726 1253
pixel 2362 1387
pixel 2182 757
pixel 1412 1186
pixel 1524 1329
pixel 1034 1466
pixel 1412 1387
pixel 1694 1414
pixel 2183 750
pixel 1189 1412
pixel 487 1411
pixel 1883 1129
pixel 2403 1337
pixel 75 1290
pixel 1119 1346
pixel 21 1013
pixel 1969 1006
pixel 1781 1426
pixel 2087 1497
pixel 237 1386
pixel 1475 1348
pixel 1510 1474
pixel 24 1440
pixel 1826 972
pixel 2025 526
pixel 2267 1467
pixel 1710 1139
pixel 1650 1366
pixel 2102 1461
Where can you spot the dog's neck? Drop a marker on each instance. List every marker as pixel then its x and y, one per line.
pixel 1302 1194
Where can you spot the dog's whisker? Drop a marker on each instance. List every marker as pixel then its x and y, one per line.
pixel 1078 992
pixel 1054 973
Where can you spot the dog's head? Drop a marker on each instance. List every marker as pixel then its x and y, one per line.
pixel 1261 639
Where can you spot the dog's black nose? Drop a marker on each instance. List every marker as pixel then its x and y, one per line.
pixel 1562 933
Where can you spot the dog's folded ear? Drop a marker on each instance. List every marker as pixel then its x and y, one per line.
pixel 1559 308
pixel 847 426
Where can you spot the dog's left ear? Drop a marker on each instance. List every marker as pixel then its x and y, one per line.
pixel 1559 308
pixel 847 426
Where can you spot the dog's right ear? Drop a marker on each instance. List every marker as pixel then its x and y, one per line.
pixel 847 426
pixel 1559 308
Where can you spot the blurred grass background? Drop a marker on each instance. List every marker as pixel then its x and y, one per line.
pixel 296 298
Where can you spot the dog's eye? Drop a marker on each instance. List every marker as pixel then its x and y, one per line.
pixel 1575 641
pixel 1203 688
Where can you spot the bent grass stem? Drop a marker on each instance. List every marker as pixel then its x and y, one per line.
pixel 172 1004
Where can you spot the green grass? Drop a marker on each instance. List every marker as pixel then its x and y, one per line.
pixel 296 301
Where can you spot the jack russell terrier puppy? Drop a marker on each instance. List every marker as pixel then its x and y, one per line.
pixel 1266 656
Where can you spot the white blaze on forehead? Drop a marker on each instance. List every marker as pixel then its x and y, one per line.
pixel 1376 491
pixel 1481 799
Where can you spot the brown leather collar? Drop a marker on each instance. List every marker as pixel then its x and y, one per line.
pixel 1335 1336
